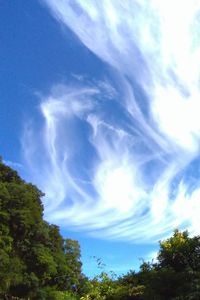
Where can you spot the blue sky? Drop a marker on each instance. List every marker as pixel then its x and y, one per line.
pixel 100 109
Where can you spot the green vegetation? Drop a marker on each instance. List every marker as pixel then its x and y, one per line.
pixel 37 263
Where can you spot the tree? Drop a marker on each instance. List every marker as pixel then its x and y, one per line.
pixel 35 261
pixel 74 276
pixel 179 261
pixel 175 275
pixel 180 252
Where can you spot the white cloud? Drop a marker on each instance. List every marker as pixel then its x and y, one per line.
pixel 121 189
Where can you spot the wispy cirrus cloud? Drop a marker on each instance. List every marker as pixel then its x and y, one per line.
pixel 116 162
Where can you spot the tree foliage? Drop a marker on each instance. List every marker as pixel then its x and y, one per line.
pixel 175 275
pixel 35 261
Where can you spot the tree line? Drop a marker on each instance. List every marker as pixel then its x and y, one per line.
pixel 37 263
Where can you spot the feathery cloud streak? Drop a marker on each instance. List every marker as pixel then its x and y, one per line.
pixel 116 161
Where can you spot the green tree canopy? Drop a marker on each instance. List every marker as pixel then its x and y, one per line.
pixel 33 255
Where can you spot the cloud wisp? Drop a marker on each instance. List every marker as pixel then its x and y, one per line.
pixel 116 162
